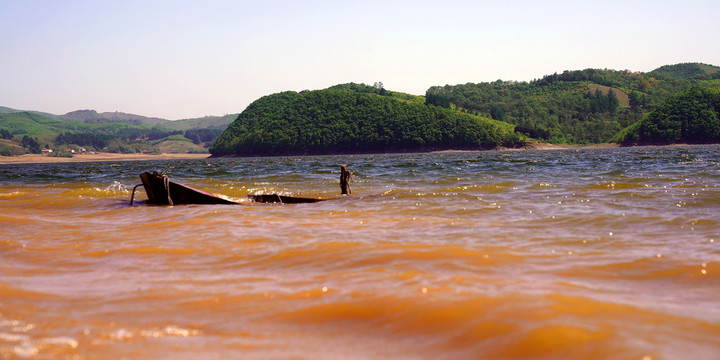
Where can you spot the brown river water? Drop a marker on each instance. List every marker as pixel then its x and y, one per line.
pixel 555 254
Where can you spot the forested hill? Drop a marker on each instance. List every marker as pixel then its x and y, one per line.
pixel 24 132
pixel 692 116
pixel 354 118
pixel 584 106
pixel 687 71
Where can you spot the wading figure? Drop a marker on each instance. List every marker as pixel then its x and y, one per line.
pixel 345 179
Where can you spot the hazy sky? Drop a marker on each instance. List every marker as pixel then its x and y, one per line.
pixel 183 59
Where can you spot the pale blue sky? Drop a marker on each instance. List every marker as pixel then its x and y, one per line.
pixel 182 59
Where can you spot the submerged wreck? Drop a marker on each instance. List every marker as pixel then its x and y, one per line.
pixel 161 191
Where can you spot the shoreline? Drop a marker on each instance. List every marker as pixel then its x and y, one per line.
pixel 549 146
pixel 38 158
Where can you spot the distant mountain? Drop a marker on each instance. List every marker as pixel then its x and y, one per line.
pixel 109 131
pixel 119 116
pixel 81 115
pixel 208 122
pixel 92 116
pixel 28 123
pixel 7 110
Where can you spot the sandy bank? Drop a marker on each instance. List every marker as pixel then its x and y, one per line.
pixel 545 146
pixel 548 146
pixel 36 158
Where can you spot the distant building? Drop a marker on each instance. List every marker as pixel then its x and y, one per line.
pixel 46 151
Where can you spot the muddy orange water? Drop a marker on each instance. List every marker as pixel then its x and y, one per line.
pixel 556 254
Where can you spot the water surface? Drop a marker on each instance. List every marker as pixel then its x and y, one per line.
pixel 555 254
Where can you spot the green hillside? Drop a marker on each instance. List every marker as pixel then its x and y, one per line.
pixel 577 107
pixel 7 110
pixel 692 116
pixel 207 122
pixel 93 117
pixel 38 126
pixel 687 71
pixel 11 148
pixel 354 118
pixel 177 144
pixel 33 132
pixel 584 106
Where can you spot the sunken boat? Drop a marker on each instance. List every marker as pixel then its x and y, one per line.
pixel 161 191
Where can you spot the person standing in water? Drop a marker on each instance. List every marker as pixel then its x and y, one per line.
pixel 345 179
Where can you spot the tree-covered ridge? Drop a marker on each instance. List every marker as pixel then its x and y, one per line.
pixel 687 71
pixel 564 107
pixel 692 116
pixel 30 132
pixel 557 112
pixel 352 118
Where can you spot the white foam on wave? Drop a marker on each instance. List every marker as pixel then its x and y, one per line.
pixel 170 330
pixel 117 186
pixel 18 343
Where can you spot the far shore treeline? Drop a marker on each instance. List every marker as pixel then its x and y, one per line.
pixel 672 104
pixel 23 132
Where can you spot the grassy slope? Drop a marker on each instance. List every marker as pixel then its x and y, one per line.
pixel 621 95
pixel 709 69
pixel 685 71
pixel 7 110
pixel 208 122
pixel 178 147
pixel 35 125
pixel 46 130
pixel 38 126
pixel 8 147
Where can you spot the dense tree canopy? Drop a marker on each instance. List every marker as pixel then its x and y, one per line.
pixel 692 116
pixel 199 136
pixel 583 106
pixel 351 119
pixel 556 111
pixel 31 144
pixel 687 71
